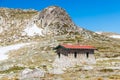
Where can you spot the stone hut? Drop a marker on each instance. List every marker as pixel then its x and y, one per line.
pixel 75 54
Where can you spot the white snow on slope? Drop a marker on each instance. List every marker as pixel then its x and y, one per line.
pixel 32 30
pixel 115 36
pixel 99 32
pixel 6 49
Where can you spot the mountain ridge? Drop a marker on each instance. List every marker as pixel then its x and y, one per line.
pixel 51 21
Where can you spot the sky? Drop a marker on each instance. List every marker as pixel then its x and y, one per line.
pixel 94 15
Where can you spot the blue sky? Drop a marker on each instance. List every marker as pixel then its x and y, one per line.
pixel 95 15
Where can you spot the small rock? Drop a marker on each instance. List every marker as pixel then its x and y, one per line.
pixel 87 68
pixel 56 71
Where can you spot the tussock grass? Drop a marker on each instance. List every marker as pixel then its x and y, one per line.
pixel 115 77
pixel 106 70
pixel 12 69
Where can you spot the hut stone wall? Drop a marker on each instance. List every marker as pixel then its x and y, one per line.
pixel 75 53
pixel 67 57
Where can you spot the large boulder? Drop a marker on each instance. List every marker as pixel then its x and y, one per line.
pixel 28 74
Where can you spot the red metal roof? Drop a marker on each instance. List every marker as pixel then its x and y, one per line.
pixel 77 46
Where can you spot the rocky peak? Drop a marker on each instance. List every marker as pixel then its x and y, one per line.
pixel 54 12
pixel 55 18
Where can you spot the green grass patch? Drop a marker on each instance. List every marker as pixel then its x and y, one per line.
pixel 106 70
pixel 12 69
pixel 114 77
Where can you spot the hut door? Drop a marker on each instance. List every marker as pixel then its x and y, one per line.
pixel 75 54
pixel 59 55
pixel 87 54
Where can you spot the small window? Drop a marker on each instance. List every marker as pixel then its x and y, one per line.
pixel 87 54
pixel 59 55
pixel 75 55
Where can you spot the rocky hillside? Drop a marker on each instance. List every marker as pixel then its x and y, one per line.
pixel 18 25
pixel 27 38
pixel 110 34
pixel 12 23
pixel 52 25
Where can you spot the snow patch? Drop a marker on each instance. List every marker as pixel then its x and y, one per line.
pixel 32 30
pixel 99 32
pixel 115 36
pixel 6 49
